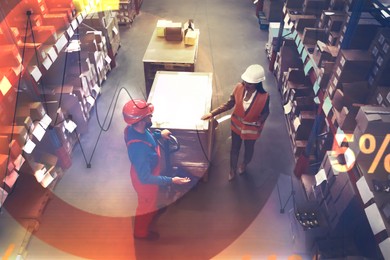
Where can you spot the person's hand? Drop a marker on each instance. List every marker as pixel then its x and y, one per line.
pixel 165 133
pixel 180 180
pixel 206 116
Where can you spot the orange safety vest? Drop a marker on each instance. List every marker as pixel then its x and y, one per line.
pixel 247 123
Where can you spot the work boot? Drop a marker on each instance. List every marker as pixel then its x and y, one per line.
pixel 232 174
pixel 241 169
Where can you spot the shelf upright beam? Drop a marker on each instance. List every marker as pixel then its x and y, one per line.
pixel 352 23
pixel 276 48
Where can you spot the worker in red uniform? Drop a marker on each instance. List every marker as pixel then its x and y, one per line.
pixel 251 109
pixel 144 155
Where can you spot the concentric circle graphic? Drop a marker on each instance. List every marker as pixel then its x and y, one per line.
pixel 83 234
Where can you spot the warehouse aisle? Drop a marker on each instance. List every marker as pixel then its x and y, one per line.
pixel 90 214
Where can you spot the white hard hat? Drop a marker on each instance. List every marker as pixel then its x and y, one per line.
pixel 253 74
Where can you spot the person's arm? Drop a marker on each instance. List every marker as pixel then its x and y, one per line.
pixel 140 156
pixel 264 114
pixel 161 134
pixel 222 108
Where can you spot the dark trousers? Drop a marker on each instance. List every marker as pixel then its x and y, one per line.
pixel 249 147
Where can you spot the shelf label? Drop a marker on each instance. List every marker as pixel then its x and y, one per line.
pixel 79 18
pixel 47 63
pixel 36 73
pixel 327 106
pixel 304 55
pixel 70 32
pixel 316 87
pixel 308 66
pixel 385 48
pixel 74 24
pixel 62 41
pixel 52 54
pixel 5 85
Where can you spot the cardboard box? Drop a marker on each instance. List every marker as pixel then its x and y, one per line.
pixel 45 34
pixel 62 10
pixel 356 146
pixel 19 133
pixel 60 21
pixel 338 100
pixel 308 21
pixel 190 38
pixel 174 32
pixel 381 96
pixel 314 7
pixel 335 23
pixel 366 26
pixel 294 3
pixel 303 125
pixel 334 38
pixel 323 52
pixel 312 35
pixel 3 166
pixel 353 65
pixel 160 27
pixel 9 56
pixel 303 103
pixel 272 8
pixel 355 92
pixel 37 6
pixel 327 14
pixel 374 120
pixel 60 4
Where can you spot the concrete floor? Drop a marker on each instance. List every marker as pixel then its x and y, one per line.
pixel 90 214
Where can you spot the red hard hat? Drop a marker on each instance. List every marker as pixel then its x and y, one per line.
pixel 136 110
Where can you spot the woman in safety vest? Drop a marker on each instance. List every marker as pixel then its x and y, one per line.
pixel 251 109
pixel 144 155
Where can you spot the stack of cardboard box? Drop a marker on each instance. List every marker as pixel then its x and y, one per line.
pixel 380 49
pixel 127 12
pixel 107 23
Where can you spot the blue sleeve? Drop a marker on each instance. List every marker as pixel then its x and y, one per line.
pixel 142 157
pixel 156 134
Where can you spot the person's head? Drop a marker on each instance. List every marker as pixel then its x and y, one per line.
pixel 138 113
pixel 253 77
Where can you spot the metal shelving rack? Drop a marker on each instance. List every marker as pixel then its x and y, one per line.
pixel 321 86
